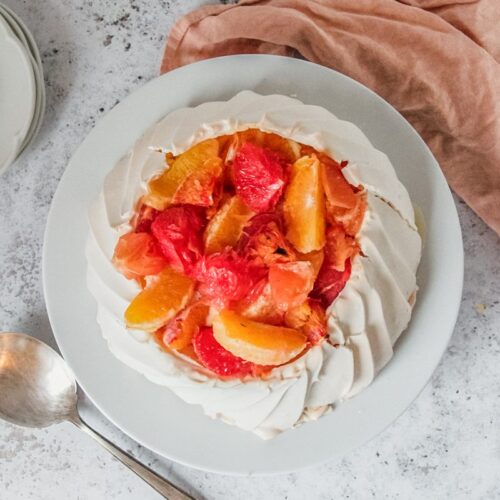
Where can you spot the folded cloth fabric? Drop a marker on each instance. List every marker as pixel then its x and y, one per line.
pixel 436 61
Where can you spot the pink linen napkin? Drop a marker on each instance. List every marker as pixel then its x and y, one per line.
pixel 436 61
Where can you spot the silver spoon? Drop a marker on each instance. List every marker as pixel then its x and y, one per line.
pixel 38 389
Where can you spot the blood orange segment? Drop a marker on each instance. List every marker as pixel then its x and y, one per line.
pixel 225 277
pixel 308 317
pixel 350 218
pixel 200 187
pixel 304 206
pixel 259 177
pixel 330 283
pixel 163 188
pixel 257 342
pixel 160 301
pixel 178 231
pixel 138 254
pixel 290 283
pixel 180 331
pixel 224 229
pixel 338 191
pixel 263 241
pixel 217 359
pixel 339 247
pixel 145 217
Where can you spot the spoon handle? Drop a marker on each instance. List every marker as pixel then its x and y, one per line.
pixel 160 484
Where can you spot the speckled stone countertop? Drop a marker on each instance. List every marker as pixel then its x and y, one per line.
pixel 447 445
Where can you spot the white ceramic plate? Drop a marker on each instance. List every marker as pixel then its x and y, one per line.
pixel 17 94
pixel 26 38
pixel 150 413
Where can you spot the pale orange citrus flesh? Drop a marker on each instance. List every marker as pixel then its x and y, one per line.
pixel 257 342
pixel 189 323
pixel 163 188
pixel 262 308
pixel 304 206
pixel 199 186
pixel 316 258
pixel 160 301
pixel 287 148
pixel 225 228
pixel 290 283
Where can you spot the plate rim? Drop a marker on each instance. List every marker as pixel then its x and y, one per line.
pixel 16 140
pixel 203 466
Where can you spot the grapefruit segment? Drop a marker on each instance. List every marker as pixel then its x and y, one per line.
pixel 177 230
pixel 259 177
pixel 138 254
pixel 290 283
pixel 217 359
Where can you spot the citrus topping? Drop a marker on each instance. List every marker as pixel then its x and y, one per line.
pixel 224 229
pixel 226 277
pixel 145 217
pixel 264 242
pixel 257 342
pixel 290 283
pixel 260 306
pixel 259 176
pixel 339 193
pixel 316 258
pixel 163 188
pixel 331 282
pixel 160 301
pixel 178 231
pixel 217 359
pixel 290 150
pixel 215 242
pixel 304 206
pixel 180 331
pixel 339 247
pixel 200 186
pixel 350 218
pixel 138 254
pixel 308 317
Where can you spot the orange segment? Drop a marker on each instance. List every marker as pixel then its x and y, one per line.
pixel 257 342
pixel 304 206
pixel 160 301
pixel 180 331
pixel 225 228
pixel 198 188
pixel 288 148
pixel 163 188
pixel 290 283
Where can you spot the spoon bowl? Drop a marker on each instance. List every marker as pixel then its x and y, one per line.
pixel 37 389
pixel 36 385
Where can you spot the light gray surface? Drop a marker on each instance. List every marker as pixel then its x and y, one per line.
pixel 446 445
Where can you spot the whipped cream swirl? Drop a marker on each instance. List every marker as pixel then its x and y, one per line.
pixel 364 321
